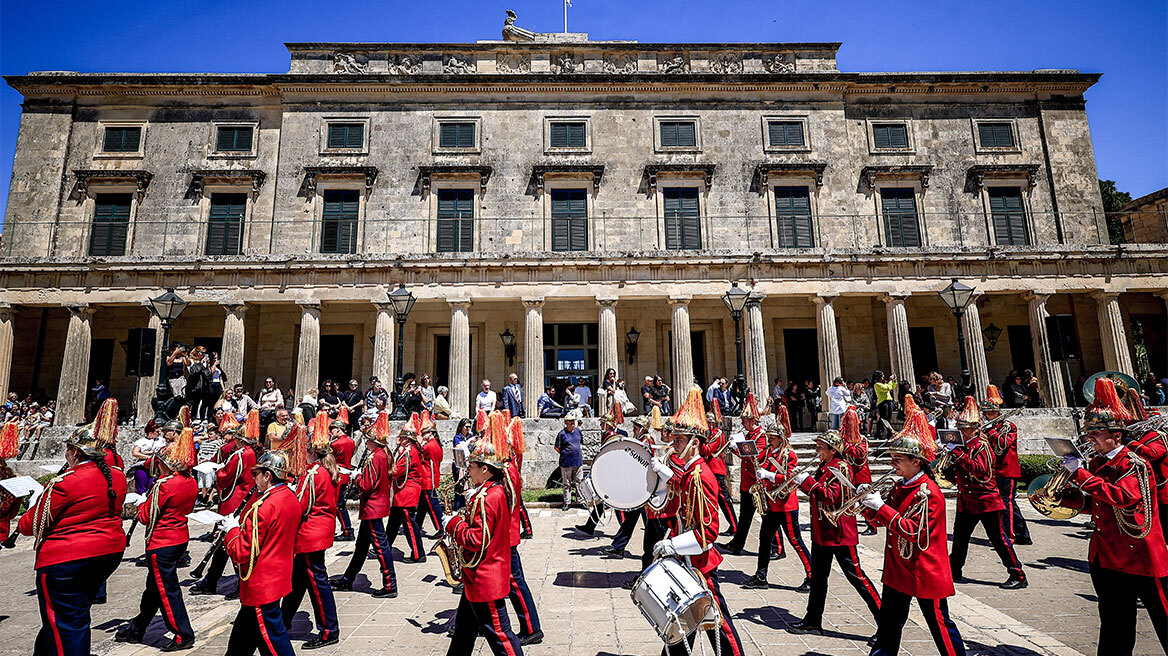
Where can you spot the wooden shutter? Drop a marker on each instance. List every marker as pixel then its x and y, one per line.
pixel 1009 216
pixel 225 224
pixel 785 134
pixel 995 135
pixel 346 135
pixel 455 220
pixel 111 223
pixel 569 220
pixel 890 136
pixel 678 134
pixel 339 229
pixel 900 217
pixel 793 211
pixel 456 135
pixel 122 140
pixel 568 135
pixel 683 221
pixel 232 139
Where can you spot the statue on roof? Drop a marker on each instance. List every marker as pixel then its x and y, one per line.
pixel 512 32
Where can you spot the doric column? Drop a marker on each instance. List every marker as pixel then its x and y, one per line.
pixel 756 368
pixel 1112 336
pixel 147 384
pixel 979 373
pixel 384 334
pixel 899 346
pixel 308 362
pixel 683 377
pixel 829 356
pixel 532 354
pixel 75 367
pixel 609 356
pixel 231 351
pixel 459 374
pixel 6 338
pixel 1050 379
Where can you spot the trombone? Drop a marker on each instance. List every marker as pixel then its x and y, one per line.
pixel 852 505
pixel 786 486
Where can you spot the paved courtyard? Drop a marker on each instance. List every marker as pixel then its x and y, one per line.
pixel 586 613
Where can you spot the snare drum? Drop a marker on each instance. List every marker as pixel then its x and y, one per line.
pixel 672 596
pixel 622 476
pixel 587 493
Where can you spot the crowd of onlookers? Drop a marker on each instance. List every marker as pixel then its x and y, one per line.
pixel 32 414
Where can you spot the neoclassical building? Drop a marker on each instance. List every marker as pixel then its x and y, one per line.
pixel 574 194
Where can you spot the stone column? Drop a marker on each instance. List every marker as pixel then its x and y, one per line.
pixel 6 337
pixel 460 356
pixel 979 373
pixel 683 378
pixel 384 344
pixel 829 357
pixel 231 352
pixel 532 354
pixel 899 346
pixel 1112 336
pixel 147 384
pixel 1050 377
pixel 74 381
pixel 308 362
pixel 756 367
pixel 609 354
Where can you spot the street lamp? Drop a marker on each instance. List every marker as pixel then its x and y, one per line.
pixel 991 334
pixel 956 297
pixel 167 308
pixel 402 302
pixel 735 299
pixel 631 338
pixel 508 346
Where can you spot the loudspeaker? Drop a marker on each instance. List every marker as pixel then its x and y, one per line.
pixel 140 352
pixel 1064 341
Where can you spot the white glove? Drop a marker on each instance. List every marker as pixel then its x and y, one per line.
pixel 766 475
pixel 1072 464
pixel 802 477
pixel 446 519
pixel 229 522
pixel 863 488
pixel 663 470
pixel 872 500
pixel 664 549
pixel 949 446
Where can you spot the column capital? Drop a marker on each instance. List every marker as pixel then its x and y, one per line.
pixel 1104 295
pixel 234 307
pixel 461 303
pixel 755 298
pixel 680 299
pixel 81 310
pixel 1041 297
pixel 606 301
pixel 824 299
pixel 532 301
pixel 309 306
pixel 7 310
pixel 383 306
pixel 895 297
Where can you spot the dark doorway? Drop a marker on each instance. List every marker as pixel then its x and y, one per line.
pixel 924 350
pixel 1148 336
pixel 570 351
pixel 698 342
pixel 212 344
pixel 336 359
pixel 801 346
pixel 441 373
pixel 1021 347
pixel 101 361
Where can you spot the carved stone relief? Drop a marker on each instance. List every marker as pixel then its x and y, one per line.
pixel 566 62
pixel 458 64
pixel 726 63
pixel 350 62
pixel 782 62
pixel 620 63
pixel 672 64
pixel 405 64
pixel 509 63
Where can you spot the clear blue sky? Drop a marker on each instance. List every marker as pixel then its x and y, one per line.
pixel 1125 41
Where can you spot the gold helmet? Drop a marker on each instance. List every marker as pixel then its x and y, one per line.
pixel 274 462
pixel 494 448
pixel 915 437
pixel 85 439
pixel 1106 411
pixel 832 440
pixel 993 399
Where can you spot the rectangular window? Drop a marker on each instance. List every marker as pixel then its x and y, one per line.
pixel 683 218
pixel 225 224
pixel 111 224
pixel 234 139
pixel 899 205
pixel 346 135
pixel 1009 216
pixel 793 211
pixel 568 134
pixel 890 136
pixel 569 219
pixel 122 140
pixel 456 220
pixel 339 234
pixel 995 135
pixel 456 134
pixel 678 134
pixel 785 134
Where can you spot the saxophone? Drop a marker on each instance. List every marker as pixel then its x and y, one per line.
pixel 447 549
pixel 762 496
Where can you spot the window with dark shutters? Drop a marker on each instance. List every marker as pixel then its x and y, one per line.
pixel 346 135
pixel 1009 216
pixel 569 219
pixel 995 135
pixel 683 218
pixel 225 224
pixel 785 134
pixel 122 140
pixel 455 220
pixel 234 138
pixel 678 134
pixel 793 211
pixel 111 224
pixel 456 134
pixel 339 232
pixel 568 134
pixel 899 206
pixel 890 136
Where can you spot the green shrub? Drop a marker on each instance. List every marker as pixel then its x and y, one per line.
pixel 549 496
pixel 1033 466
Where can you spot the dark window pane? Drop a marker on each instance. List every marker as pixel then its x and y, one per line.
pixel 456 135
pixel 570 334
pixel 111 223
pixel 889 136
pixel 346 135
pixel 568 135
pixel 455 220
pixel 995 135
pixel 683 221
pixel 569 219
pixel 900 217
pixel 339 233
pixel 1009 216
pixel 234 139
pixel 678 134
pixel 785 134
pixel 793 212
pixel 225 224
pixel 122 140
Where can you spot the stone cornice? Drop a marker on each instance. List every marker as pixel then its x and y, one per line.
pixel 84 177
pixel 313 173
pixel 539 171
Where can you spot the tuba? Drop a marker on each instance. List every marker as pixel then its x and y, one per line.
pixel 1046 491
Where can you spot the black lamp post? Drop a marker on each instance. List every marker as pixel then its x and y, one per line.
pixel 735 299
pixel 956 297
pixel 167 307
pixel 508 346
pixel 402 302
pixel 991 334
pixel 631 338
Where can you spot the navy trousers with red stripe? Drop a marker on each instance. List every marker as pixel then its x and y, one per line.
pixel 525 530
pixel 372 533
pixel 656 530
pixel 401 517
pixel 343 512
pixel 163 592
pixel 1015 523
pixel 727 634
pixel 726 504
pixel 963 525
pixel 746 512
pixel 259 627
pixel 488 618
pixel 65 592
pixel 520 597
pixel 849 562
pixel 774 524
pixel 1118 592
pixel 429 505
pixel 309 575
pixel 894 606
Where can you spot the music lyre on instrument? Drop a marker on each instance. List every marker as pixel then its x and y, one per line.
pixel 1045 492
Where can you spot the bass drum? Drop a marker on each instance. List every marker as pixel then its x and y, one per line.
pixel 622 475
pixel 675 600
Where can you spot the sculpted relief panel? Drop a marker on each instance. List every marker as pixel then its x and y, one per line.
pixel 727 63
pixel 621 63
pixel 350 62
pixel 512 63
pixel 458 64
pixel 405 64
pixel 783 62
pixel 672 64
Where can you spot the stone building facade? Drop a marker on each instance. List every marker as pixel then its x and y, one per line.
pixel 1145 219
pixel 569 193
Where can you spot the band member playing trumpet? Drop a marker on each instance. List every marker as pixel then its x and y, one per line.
pixel 713 452
pixel 856 452
pixel 406 474
pixel 978 499
pixel 746 477
pixel 1003 437
pixel 916 558
pixel 520 594
pixel 342 447
pixel 1152 446
pixel 777 464
pixel 373 482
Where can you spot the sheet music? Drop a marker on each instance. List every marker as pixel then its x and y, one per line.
pixel 207 467
pixel 206 517
pixel 135 498
pixel 21 486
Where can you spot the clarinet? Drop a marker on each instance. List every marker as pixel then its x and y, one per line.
pixel 197 572
pixel 130 533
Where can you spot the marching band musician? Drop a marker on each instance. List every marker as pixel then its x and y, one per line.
pixel 1152 446
pixel 431 468
pixel 405 476
pixel 77 526
pixel 1127 556
pixel 694 536
pixel 625 532
pixel 105 426
pixel 520 594
pixel 374 485
pixel 609 430
pixel 916 557
pixel 978 499
pixel 713 451
pixel 659 523
pixel 261 546
pixel 856 453
pixel 484 535
pixel 342 447
pixel 317 485
pixel 829 540
pixel 1003 437
pixel 777 463
pixel 9 504
pixel 746 478
pixel 525 528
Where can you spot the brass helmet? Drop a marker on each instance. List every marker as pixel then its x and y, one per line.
pixel 777 429
pixel 832 440
pixel 1106 411
pixel 85 439
pixel 915 437
pixel 970 416
pixel 274 462
pixel 337 423
pixel 494 447
pixel 993 401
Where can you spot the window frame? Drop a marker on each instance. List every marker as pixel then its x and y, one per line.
pixel 918 205
pixel 234 154
pixel 548 148
pixel 436 135
pixel 908 131
pixel 775 183
pixel 569 183
pixel 779 118
pixel 336 184
pixel 1023 188
pixel 91 207
pixel 975 126
pixel 669 118
pixel 101 153
pixel 449 183
pixel 681 182
pixel 209 191
pixel 324 134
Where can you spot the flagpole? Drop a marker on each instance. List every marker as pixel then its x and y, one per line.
pixel 565 16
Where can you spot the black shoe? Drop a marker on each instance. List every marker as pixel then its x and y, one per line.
pixel 584 529
pixel 141 562
pixel 756 582
pixel 457 589
pixel 127 634
pixel 629 585
pixel 613 552
pixel 958 577
pixel 340 584
pixel 174 645
pixel 318 642
pixel 526 536
pixel 232 596
pixel 802 628
pixel 345 537
pixel 385 593
pixel 872 640
pixel 1014 583
pixel 185 561
pixel 1024 541
pixel 203 588
pixel 531 639
pixel 99 600
pixel 776 555
pixel 805 586
pixel 732 550
pixel 419 559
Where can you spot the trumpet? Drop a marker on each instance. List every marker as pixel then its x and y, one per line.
pixel 852 505
pixel 999 419
pixel 1153 423
pixel 786 486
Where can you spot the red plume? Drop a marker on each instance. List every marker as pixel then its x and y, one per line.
pixel 750 408
pixel 320 423
pixel 716 409
pixel 229 423
pixel 481 421
pixel 1106 398
pixel 618 414
pixel 183 452
pixel 993 395
pixel 691 414
pixel 252 425
pixel 499 436
pixel 1135 405
pixel 296 447
pixel 783 416
pixel 916 426
pixel 381 426
pixel 9 440
pixel 910 405
pixel 343 415
pixel 184 416
pixel 515 429
pixel 850 426
pixel 105 424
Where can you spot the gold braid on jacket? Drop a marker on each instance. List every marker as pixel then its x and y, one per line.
pixel 920 509
pixel 253 515
pixel 308 485
pixel 479 508
pixel 152 515
pixel 1130 527
pixel 43 519
pixel 694 512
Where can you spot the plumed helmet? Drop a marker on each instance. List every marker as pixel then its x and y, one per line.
pixel 655 420
pixel 993 399
pixel 783 416
pixel 716 411
pixel 970 416
pixel 184 416
pixel 343 415
pixel 275 462
pixel 229 423
pixel 1135 405
pixel 749 409
pixel 428 425
pixel 850 426
pixel 295 446
pixel 181 454
pixel 412 428
pixel 249 432
pixel 832 440
pixel 915 437
pixel 320 440
pixel 174 425
pixel 105 424
pixel 379 430
pixel 515 435
pixel 493 449
pixel 690 418
pixel 84 439
pixel 481 421
pixel 1106 411
pixel 337 423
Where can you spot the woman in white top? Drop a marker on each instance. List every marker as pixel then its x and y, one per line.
pixel 270 396
pixel 486 398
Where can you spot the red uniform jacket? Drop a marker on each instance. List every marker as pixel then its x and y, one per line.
pixel 113 458
pixel 746 472
pixel 773 460
pixel 176 496
pixel 1111 485
pixel 827 493
pixel 1003 437
pixel 512 472
pixel 712 451
pixel 82 524
pixel 226 450
pixel 697 490
pixel 1153 447
pixel 9 506
pixel 235 479
pixel 488 579
pixel 432 454
pixel 673 502
pixel 977 484
pixel 373 482
pixel 907 568
pixel 343 448
pixel 269 576
pixel 856 455
pixel 407 476
pixel 318 509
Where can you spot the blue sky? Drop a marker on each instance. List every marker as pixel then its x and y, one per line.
pixel 1125 41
